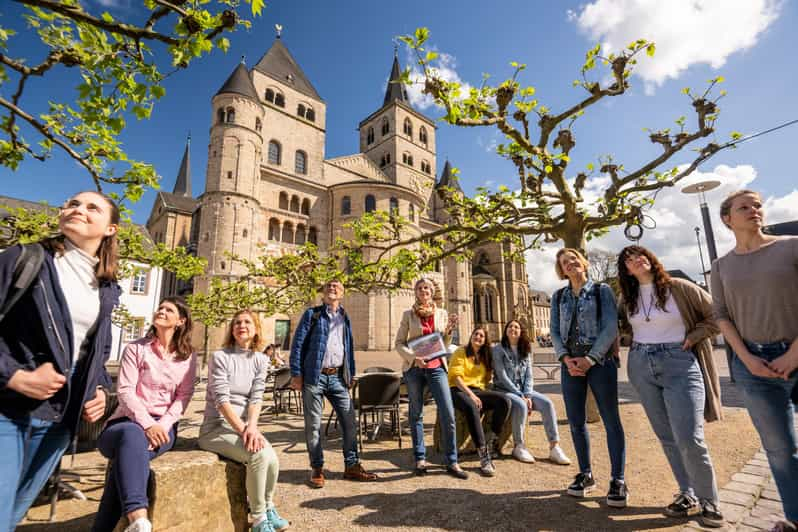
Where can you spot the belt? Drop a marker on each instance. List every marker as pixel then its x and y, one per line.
pixel 330 371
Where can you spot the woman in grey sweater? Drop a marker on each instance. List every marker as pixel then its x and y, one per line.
pixel 236 381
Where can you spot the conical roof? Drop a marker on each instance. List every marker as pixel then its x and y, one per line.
pixel 183 182
pixel 395 89
pixel 239 82
pixel 279 64
pixel 447 179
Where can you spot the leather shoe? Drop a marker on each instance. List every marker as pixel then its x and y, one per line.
pixel 456 471
pixel 421 468
pixel 316 478
pixel 356 472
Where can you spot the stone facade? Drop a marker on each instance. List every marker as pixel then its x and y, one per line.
pixel 269 188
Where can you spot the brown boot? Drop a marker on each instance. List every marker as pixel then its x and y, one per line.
pixel 356 472
pixel 316 478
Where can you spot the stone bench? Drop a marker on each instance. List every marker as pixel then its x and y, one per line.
pixel 192 490
pixel 465 444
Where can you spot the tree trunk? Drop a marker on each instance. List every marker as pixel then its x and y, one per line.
pixel 574 237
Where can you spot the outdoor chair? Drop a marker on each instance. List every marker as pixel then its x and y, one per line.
pixel 378 369
pixel 332 419
pixel 283 393
pixel 377 393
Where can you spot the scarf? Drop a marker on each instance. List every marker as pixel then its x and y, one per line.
pixel 424 310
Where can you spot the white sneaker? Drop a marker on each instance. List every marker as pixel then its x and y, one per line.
pixel 142 524
pixel 521 454
pixel 557 456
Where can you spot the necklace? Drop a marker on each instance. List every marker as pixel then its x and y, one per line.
pixel 647 312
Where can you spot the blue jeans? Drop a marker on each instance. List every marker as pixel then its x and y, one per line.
pixel 519 413
pixel 603 380
pixel 31 449
pixel 671 388
pixel 334 389
pixel 124 443
pixel 438 382
pixel 771 410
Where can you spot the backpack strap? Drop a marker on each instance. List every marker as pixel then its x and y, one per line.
pixel 26 269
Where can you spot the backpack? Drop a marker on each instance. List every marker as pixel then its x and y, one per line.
pixel 26 269
pixel 615 348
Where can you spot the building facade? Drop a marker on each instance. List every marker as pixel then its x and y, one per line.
pixel 269 188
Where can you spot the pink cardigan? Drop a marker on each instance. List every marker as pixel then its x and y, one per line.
pixel 152 385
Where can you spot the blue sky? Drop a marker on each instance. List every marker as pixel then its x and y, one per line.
pixel 346 48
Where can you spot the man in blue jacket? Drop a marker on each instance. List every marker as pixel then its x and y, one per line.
pixel 323 365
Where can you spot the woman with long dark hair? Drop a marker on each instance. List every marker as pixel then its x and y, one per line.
pixel 54 343
pixel 470 371
pixel 584 326
pixel 512 374
pixel 670 322
pixel 755 300
pixel 156 382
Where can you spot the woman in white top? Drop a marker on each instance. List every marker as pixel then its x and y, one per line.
pixel 668 319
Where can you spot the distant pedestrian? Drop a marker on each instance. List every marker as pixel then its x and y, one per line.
pixel 323 366
pixel 512 374
pixel 233 400
pixel 422 319
pixel 156 382
pixel 755 300
pixel 672 369
pixel 584 328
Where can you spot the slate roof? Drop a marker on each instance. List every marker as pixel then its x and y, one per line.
pixel 447 179
pixel 279 64
pixel 239 82
pixel 178 202
pixel 395 90
pixel 183 182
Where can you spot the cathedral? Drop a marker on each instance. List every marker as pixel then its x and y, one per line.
pixel 270 188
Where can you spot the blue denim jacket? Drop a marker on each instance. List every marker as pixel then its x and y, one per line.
pixel 308 346
pixel 599 336
pixel 510 374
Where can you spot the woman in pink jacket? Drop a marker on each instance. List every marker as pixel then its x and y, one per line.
pixel 156 382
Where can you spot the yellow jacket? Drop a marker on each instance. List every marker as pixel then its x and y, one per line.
pixel 474 375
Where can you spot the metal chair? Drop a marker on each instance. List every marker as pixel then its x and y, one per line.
pixel 377 393
pixel 281 388
pixel 378 369
pixel 332 419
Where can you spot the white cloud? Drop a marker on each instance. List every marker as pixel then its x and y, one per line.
pixel 445 68
pixel 686 32
pixel 676 215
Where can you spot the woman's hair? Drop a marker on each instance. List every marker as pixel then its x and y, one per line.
pixel 427 281
pixel 257 341
pixel 268 347
pixel 524 344
pixel 181 340
pixel 726 204
pixel 630 287
pixel 483 355
pixel 108 252
pixel 563 251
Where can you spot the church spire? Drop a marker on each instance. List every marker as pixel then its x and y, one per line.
pixel 395 89
pixel 183 183
pixel 447 179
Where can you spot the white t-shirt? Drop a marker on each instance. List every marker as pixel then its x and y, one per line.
pixel 661 327
pixel 79 284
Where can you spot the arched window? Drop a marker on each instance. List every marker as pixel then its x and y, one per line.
pixel 300 110
pixel 411 212
pixel 279 100
pixel 283 204
pixel 386 126
pixel 300 235
pixel 489 306
pixel 393 207
pixel 305 206
pixel 288 233
pixel 407 159
pixel 422 135
pixel 258 125
pixel 269 95
pixel 220 115
pixel 426 167
pixel 275 152
pixel 408 127
pixel 438 266
pixel 370 136
pixel 310 115
pixel 294 204
pixel 244 233
pixel 313 236
pixel 300 162
pixel 371 203
pixel 477 307
pixel 346 205
pixel 274 229
pixel 230 117
pixel 388 158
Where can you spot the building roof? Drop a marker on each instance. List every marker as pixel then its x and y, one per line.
pixel 239 82
pixel 183 182
pixel 279 64
pixel 178 202
pixel 395 89
pixel 782 229
pixel 539 297
pixel 447 179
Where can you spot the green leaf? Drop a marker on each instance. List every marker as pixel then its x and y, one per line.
pixel 257 7
pixel 223 43
pixel 651 49
pixel 421 35
pixel 548 169
pixel 157 91
pixel 736 135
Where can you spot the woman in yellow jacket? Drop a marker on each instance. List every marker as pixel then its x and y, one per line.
pixel 469 375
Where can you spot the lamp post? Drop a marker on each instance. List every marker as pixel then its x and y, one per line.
pixel 701 256
pixel 700 188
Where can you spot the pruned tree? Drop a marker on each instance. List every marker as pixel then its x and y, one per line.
pixel 603 266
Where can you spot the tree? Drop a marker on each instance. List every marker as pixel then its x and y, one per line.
pixel 603 266
pixel 117 72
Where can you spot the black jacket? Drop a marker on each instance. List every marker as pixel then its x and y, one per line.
pixel 38 329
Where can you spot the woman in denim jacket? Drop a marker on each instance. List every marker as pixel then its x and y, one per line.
pixel 584 326
pixel 512 374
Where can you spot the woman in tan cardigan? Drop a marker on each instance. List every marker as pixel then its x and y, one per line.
pixel 670 366
pixel 422 319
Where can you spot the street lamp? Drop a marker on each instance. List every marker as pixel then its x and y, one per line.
pixel 699 188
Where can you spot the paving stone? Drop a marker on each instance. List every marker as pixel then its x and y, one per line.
pixel 746 528
pixel 773 495
pixel 743 488
pixel 763 471
pixel 758 522
pixel 757 462
pixel 767 503
pixel 746 478
pixel 735 497
pixel 733 513
pixel 771 514
pixel 761 456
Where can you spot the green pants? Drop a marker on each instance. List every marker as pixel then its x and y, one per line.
pixel 262 466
